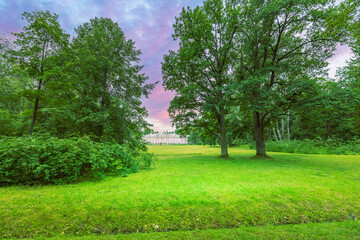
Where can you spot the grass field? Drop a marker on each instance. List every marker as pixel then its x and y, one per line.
pixel 192 190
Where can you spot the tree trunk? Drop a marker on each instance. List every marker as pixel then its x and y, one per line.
pixel 259 134
pixel 223 141
pixel 101 124
pixel 275 135
pixel 34 116
pixel 103 101
pixel 278 131
pixel 230 141
pixel 288 127
pixel 36 106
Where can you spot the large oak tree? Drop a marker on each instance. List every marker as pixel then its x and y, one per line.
pixel 283 55
pixel 200 71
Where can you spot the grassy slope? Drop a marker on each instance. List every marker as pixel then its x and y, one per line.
pixel 191 189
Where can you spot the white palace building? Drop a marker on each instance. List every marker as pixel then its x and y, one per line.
pixel 165 138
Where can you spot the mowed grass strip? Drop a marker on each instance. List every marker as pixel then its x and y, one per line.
pixel 191 189
pixel 336 231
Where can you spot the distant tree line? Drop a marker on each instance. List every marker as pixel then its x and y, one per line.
pixel 257 70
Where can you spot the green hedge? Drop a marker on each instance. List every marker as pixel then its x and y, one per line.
pixel 316 146
pixel 53 160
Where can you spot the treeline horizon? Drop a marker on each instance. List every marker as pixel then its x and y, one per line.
pixel 244 71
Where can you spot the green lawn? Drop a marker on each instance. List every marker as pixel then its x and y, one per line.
pixel 192 189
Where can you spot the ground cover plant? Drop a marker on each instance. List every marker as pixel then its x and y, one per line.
pixel 191 189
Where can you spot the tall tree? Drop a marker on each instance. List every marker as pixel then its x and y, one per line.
pixel 5 46
pixel 199 72
pixel 350 77
pixel 337 115
pixel 283 51
pixel 13 83
pixel 330 117
pixel 109 82
pixel 40 41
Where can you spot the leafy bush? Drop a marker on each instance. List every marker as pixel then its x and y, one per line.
pixel 52 160
pixel 9 125
pixel 148 159
pixel 316 146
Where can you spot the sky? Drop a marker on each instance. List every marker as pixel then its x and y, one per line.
pixel 147 22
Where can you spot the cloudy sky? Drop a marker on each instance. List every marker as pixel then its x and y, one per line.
pixel 147 22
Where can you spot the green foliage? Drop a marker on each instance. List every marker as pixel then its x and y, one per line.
pixel 269 57
pixel 42 159
pixel 316 146
pixel 200 71
pixel 284 47
pixel 89 86
pixel 38 48
pixel 14 84
pixel 91 89
pixel 195 138
pixel 336 115
pixel 148 159
pixel 109 83
pixel 6 123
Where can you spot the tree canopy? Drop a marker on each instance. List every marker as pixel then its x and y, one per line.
pixel 91 85
pixel 200 71
pixel 109 81
pixel 39 43
pixel 267 58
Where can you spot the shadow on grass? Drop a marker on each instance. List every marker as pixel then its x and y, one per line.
pixel 261 157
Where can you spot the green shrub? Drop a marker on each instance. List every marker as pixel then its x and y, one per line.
pixel 52 160
pixel 316 146
pixel 148 159
pixel 9 125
